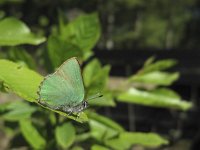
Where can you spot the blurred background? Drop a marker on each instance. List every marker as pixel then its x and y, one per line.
pixel 133 33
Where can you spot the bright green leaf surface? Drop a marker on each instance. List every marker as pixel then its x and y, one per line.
pixel 17 111
pixel 157 66
pixel 61 50
pixel 31 135
pixel 84 31
pixel 103 128
pixel 128 139
pixel 99 147
pixel 14 32
pixel 65 135
pixel 25 82
pixel 21 80
pixel 152 99
pixel 156 78
pixel 166 92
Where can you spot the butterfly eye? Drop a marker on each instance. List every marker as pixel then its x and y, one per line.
pixel 85 104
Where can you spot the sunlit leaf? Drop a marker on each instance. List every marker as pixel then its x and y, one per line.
pixel 149 66
pixel 156 78
pixel 153 99
pixel 14 32
pixel 166 92
pixel 128 139
pixel 21 80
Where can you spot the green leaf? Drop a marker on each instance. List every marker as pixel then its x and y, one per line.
pixel 61 50
pixel 91 70
pixel 21 80
pixel 95 77
pixel 65 135
pixel 17 111
pixel 31 135
pixel 151 99
pixel 25 82
pixel 166 92
pixel 103 128
pixel 99 147
pixel 20 56
pixel 84 31
pixel 14 32
pixel 105 100
pixel 156 78
pixel 149 66
pixel 128 139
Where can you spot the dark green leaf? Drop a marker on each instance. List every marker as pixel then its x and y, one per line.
pixel 20 56
pixel 65 135
pixel 18 110
pixel 60 50
pixel 31 135
pixel 83 31
pixel 14 32
pixel 152 99
pixel 128 139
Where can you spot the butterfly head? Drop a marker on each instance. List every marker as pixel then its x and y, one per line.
pixel 85 104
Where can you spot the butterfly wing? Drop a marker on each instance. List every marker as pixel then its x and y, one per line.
pixel 64 87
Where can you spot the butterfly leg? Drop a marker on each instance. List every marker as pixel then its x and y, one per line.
pixel 69 113
pixel 78 115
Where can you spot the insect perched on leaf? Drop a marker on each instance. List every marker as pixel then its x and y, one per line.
pixel 64 89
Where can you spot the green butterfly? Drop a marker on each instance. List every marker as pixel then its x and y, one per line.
pixel 64 89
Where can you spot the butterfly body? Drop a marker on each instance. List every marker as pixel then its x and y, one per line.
pixel 64 90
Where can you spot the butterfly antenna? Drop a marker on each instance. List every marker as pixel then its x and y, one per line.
pixel 94 96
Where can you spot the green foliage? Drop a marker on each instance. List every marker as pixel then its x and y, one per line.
pixel 17 111
pixel 152 73
pixel 95 79
pixel 84 32
pixel 19 79
pixel 52 129
pixel 32 135
pixel 127 139
pixel 60 50
pixel 99 147
pixel 65 139
pixel 155 99
pixel 103 128
pixel 19 55
pixel 14 32
pixel 156 78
